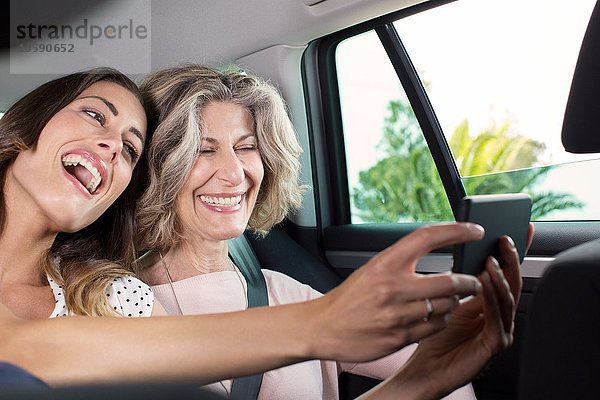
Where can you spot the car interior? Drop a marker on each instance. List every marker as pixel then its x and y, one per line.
pixel 402 107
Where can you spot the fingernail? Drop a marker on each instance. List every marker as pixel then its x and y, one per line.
pixel 510 241
pixel 495 264
pixel 477 228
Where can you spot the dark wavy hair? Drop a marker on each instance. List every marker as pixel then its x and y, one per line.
pixel 85 262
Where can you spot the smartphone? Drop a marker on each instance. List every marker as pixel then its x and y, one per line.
pixel 499 214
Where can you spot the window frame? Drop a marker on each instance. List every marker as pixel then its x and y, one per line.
pixel 327 147
pixel 327 144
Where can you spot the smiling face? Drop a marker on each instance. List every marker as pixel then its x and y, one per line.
pixel 221 190
pixel 83 159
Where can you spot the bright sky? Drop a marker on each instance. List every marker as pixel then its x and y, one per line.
pixel 514 60
pixel 485 60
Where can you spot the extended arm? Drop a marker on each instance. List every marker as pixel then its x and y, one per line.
pixel 377 310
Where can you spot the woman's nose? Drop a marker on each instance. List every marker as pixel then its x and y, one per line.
pixel 231 169
pixel 110 146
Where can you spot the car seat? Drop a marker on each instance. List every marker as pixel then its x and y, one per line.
pixel 561 349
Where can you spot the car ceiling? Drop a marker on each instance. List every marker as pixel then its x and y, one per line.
pixel 216 32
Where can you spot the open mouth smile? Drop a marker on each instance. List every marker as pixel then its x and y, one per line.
pixel 221 201
pixel 84 169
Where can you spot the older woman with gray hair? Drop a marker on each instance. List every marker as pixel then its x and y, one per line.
pixel 225 158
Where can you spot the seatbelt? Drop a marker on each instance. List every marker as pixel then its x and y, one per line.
pixel 245 259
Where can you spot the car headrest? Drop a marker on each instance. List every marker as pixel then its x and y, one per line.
pixel 581 125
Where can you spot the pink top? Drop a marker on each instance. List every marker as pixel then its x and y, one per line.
pixel 226 291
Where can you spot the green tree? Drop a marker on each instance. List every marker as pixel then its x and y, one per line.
pixel 405 186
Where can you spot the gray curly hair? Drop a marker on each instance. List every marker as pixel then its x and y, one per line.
pixel 176 97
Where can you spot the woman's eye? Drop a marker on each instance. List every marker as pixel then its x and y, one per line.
pixel 247 147
pixel 98 116
pixel 207 151
pixel 131 152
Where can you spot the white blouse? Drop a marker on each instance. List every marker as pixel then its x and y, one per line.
pixel 127 295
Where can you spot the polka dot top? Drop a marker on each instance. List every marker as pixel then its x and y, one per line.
pixel 127 295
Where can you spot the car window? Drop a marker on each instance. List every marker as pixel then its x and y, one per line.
pixel 390 170
pixel 499 98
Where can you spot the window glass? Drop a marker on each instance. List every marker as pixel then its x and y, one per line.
pixel 391 175
pixel 498 74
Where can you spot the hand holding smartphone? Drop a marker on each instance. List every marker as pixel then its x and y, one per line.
pixel 501 214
